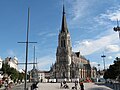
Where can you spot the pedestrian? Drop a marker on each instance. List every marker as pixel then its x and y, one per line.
pixel 61 84
pixel 76 83
pixel 34 86
pixel 81 86
pixel 6 86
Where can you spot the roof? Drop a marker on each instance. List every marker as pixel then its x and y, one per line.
pixel 77 54
pixel 64 23
pixel 43 71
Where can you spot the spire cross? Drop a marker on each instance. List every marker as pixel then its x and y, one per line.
pixel 63 9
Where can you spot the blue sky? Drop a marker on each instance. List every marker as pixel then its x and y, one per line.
pixel 90 23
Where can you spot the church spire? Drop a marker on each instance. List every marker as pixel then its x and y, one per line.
pixel 64 23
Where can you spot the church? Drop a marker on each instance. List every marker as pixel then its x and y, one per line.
pixel 69 65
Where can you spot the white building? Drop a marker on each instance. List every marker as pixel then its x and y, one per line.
pixel 13 62
pixel 0 68
pixel 41 75
pixel 44 76
pixel 1 62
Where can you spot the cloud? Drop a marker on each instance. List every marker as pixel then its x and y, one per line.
pixel 107 37
pixel 88 47
pixel 45 61
pixel 97 23
pixel 79 8
pixel 47 34
pixel 41 33
pixel 51 34
pixel 112 48
pixel 86 43
pixel 105 19
pixel 84 12
pixel 93 64
pixel 113 14
pixel 109 58
pixel 11 52
pixel 117 55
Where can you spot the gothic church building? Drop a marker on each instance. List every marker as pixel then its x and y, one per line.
pixel 69 65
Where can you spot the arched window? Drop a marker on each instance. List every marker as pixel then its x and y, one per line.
pixel 62 43
pixel 63 74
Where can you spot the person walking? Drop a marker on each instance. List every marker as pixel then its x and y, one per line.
pixel 81 86
pixel 61 85
pixel 76 83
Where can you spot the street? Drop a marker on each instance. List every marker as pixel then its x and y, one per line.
pixel 56 86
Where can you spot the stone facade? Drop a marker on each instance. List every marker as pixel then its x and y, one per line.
pixel 64 51
pixel 69 65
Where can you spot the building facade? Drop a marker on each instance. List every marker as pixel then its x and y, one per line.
pixel 13 62
pixel 1 62
pixel 1 76
pixel 44 76
pixel 64 51
pixel 69 65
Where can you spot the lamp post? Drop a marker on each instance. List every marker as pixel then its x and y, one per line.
pixel 98 71
pixel 98 66
pixel 103 56
pixel 27 43
pixel 117 28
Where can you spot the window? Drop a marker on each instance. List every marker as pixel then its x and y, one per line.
pixel 62 43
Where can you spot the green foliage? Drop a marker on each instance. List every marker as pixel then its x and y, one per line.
pixel 5 68
pixel 13 73
pixel 113 71
pixel 21 76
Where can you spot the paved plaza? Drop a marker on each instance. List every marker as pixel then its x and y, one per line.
pixel 56 86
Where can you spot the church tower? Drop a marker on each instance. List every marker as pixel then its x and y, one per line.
pixel 64 51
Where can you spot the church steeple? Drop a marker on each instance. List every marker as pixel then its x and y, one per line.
pixel 64 23
pixel 64 51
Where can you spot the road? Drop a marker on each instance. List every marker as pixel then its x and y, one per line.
pixel 56 86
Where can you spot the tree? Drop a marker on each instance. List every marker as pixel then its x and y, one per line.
pixel 5 68
pixel 21 76
pixel 14 74
pixel 114 70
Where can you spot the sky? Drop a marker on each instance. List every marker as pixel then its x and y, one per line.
pixel 90 23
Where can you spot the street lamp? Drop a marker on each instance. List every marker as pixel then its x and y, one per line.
pixel 103 56
pixel 98 66
pixel 117 28
pixel 27 43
